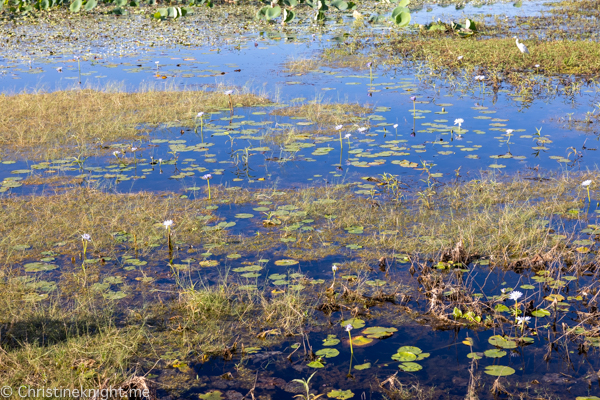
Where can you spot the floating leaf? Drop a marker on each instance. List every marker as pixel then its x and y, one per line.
pixel 499 370
pixel 500 341
pixel 316 364
pixel 331 340
pixel 378 332
pixel 540 313
pixel 39 267
pixel 361 341
pixel 555 297
pixel 328 353
pixel 209 263
pixel 360 367
pixel 410 367
pixel 411 349
pixel 494 353
pixel 356 323
pixel 212 395
pixel 340 394
pixel 244 215
pixel 475 356
pixel 249 268
pixel 404 356
pixel 286 263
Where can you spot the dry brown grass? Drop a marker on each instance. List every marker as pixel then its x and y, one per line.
pixel 80 122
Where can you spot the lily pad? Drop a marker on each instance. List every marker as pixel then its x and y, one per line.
pixel 360 367
pixel 494 353
pixel 286 263
pixel 39 267
pixel 404 356
pixel 499 370
pixel 378 332
pixel 212 395
pixel 328 353
pixel 316 364
pixel 361 341
pixel 340 394
pixel 502 342
pixel 356 323
pixel 410 367
pixel 410 349
pixel 244 215
pixel 331 340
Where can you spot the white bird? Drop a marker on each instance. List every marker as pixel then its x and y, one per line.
pixel 521 46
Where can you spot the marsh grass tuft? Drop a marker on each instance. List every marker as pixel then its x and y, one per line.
pixel 326 114
pixel 81 122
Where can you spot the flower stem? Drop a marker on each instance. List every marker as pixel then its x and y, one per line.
pixel 208 183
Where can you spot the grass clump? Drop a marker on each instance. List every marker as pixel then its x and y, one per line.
pixel 501 54
pixel 81 122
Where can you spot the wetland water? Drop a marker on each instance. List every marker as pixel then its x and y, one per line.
pixel 301 185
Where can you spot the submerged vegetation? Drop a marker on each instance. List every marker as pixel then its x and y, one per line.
pixel 405 232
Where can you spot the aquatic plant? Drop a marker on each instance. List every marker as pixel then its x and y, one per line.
pixel 522 321
pixel 515 296
pixel 508 135
pixel 339 129
pixel 167 224
pixel 401 14
pixel 459 122
pixel 207 178
pixel 586 184
pixel 85 239
pixel 334 269
pixel 228 93
pixel 306 384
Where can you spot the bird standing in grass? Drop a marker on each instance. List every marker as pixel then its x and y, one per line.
pixel 521 47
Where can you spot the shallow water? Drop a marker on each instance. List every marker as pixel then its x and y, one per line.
pixel 429 135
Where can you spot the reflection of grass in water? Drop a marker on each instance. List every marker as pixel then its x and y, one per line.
pixel 326 114
pixel 78 122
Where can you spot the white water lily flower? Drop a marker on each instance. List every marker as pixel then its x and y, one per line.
pixel 168 223
pixel 347 135
pixel 160 160
pixel 362 129
pixel 586 183
pixel 516 295
pixel 134 148
pixel 537 65
pixel 458 121
pixel 201 113
pixel 338 127
pixel 523 320
pixel 229 92
pixel 116 153
pixel 509 131
pixel 86 236
pixel 459 58
pixel 349 328
pixel 334 268
pixel 207 176
pixel 395 126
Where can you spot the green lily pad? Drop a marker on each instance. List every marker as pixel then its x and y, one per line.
pixel 316 364
pixel 212 395
pixel 331 340
pixel 356 323
pixel 277 277
pixel 39 267
pixel 360 367
pixel 340 394
pixel 540 313
pixel 115 295
pixel 410 349
pixel 500 341
pixel 361 341
pixel 249 268
pixel 286 263
pixel 244 215
pixel 378 332
pixel 499 370
pixel 494 353
pixel 328 353
pixel 410 367
pixel 404 356
pixel 475 356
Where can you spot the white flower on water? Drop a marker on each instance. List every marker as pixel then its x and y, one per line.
pixel 207 176
pixel 349 328
pixel 395 126
pixel 516 295
pixel 586 183
pixel 347 136
pixel 523 320
pixel 86 236
pixel 134 148
pixel 362 129
pixel 228 92
pixel 200 114
pixel 503 291
pixel 168 223
pixel 459 122
pixel 116 153
pixel 334 268
pixel 509 131
pixel 338 127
